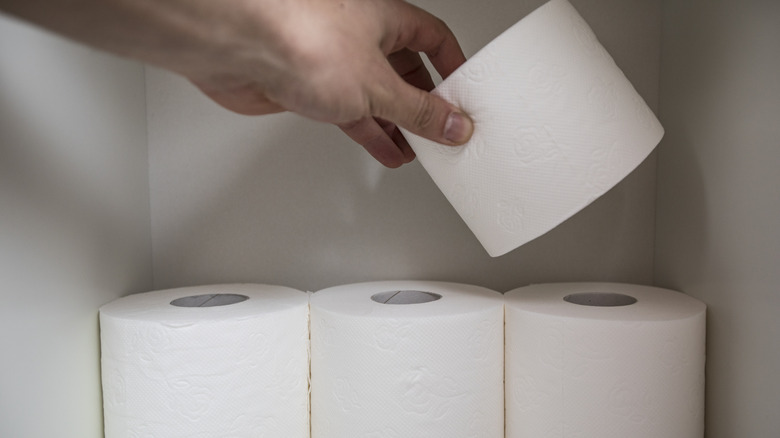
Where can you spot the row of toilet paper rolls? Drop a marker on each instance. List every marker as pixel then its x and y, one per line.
pixel 404 359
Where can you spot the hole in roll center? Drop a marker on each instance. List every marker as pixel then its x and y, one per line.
pixel 600 299
pixel 405 297
pixel 209 300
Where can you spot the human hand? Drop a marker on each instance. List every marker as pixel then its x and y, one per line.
pixel 353 63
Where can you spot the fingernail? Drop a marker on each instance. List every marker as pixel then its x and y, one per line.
pixel 458 128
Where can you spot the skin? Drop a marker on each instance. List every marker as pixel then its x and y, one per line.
pixel 353 63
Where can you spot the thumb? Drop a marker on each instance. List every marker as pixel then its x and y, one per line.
pixel 422 113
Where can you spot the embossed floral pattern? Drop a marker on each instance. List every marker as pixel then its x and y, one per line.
pixel 511 214
pixel 345 397
pixel 534 144
pixel 426 393
pixel 389 335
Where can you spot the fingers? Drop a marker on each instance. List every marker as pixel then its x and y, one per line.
pixel 381 139
pixel 420 31
pixel 409 65
pixel 405 99
pixel 420 112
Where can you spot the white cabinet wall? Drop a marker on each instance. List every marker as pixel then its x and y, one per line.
pixel 74 224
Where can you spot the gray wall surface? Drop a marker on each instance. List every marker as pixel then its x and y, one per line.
pixel 74 224
pixel 284 200
pixel 719 198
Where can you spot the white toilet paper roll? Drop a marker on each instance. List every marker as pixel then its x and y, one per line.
pixel 431 368
pixel 604 360
pixel 208 361
pixel 557 124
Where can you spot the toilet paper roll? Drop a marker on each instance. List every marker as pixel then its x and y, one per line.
pixel 209 361
pixel 407 365
pixel 604 360
pixel 557 124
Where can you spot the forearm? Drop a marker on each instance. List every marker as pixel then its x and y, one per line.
pixel 174 34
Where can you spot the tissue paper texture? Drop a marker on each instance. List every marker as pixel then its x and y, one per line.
pixel 233 371
pixel 407 371
pixel 557 124
pixel 575 371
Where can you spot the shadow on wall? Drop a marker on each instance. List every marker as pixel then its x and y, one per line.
pixel 289 200
pixel 281 199
pixel 718 201
pixel 74 223
pixel 70 158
